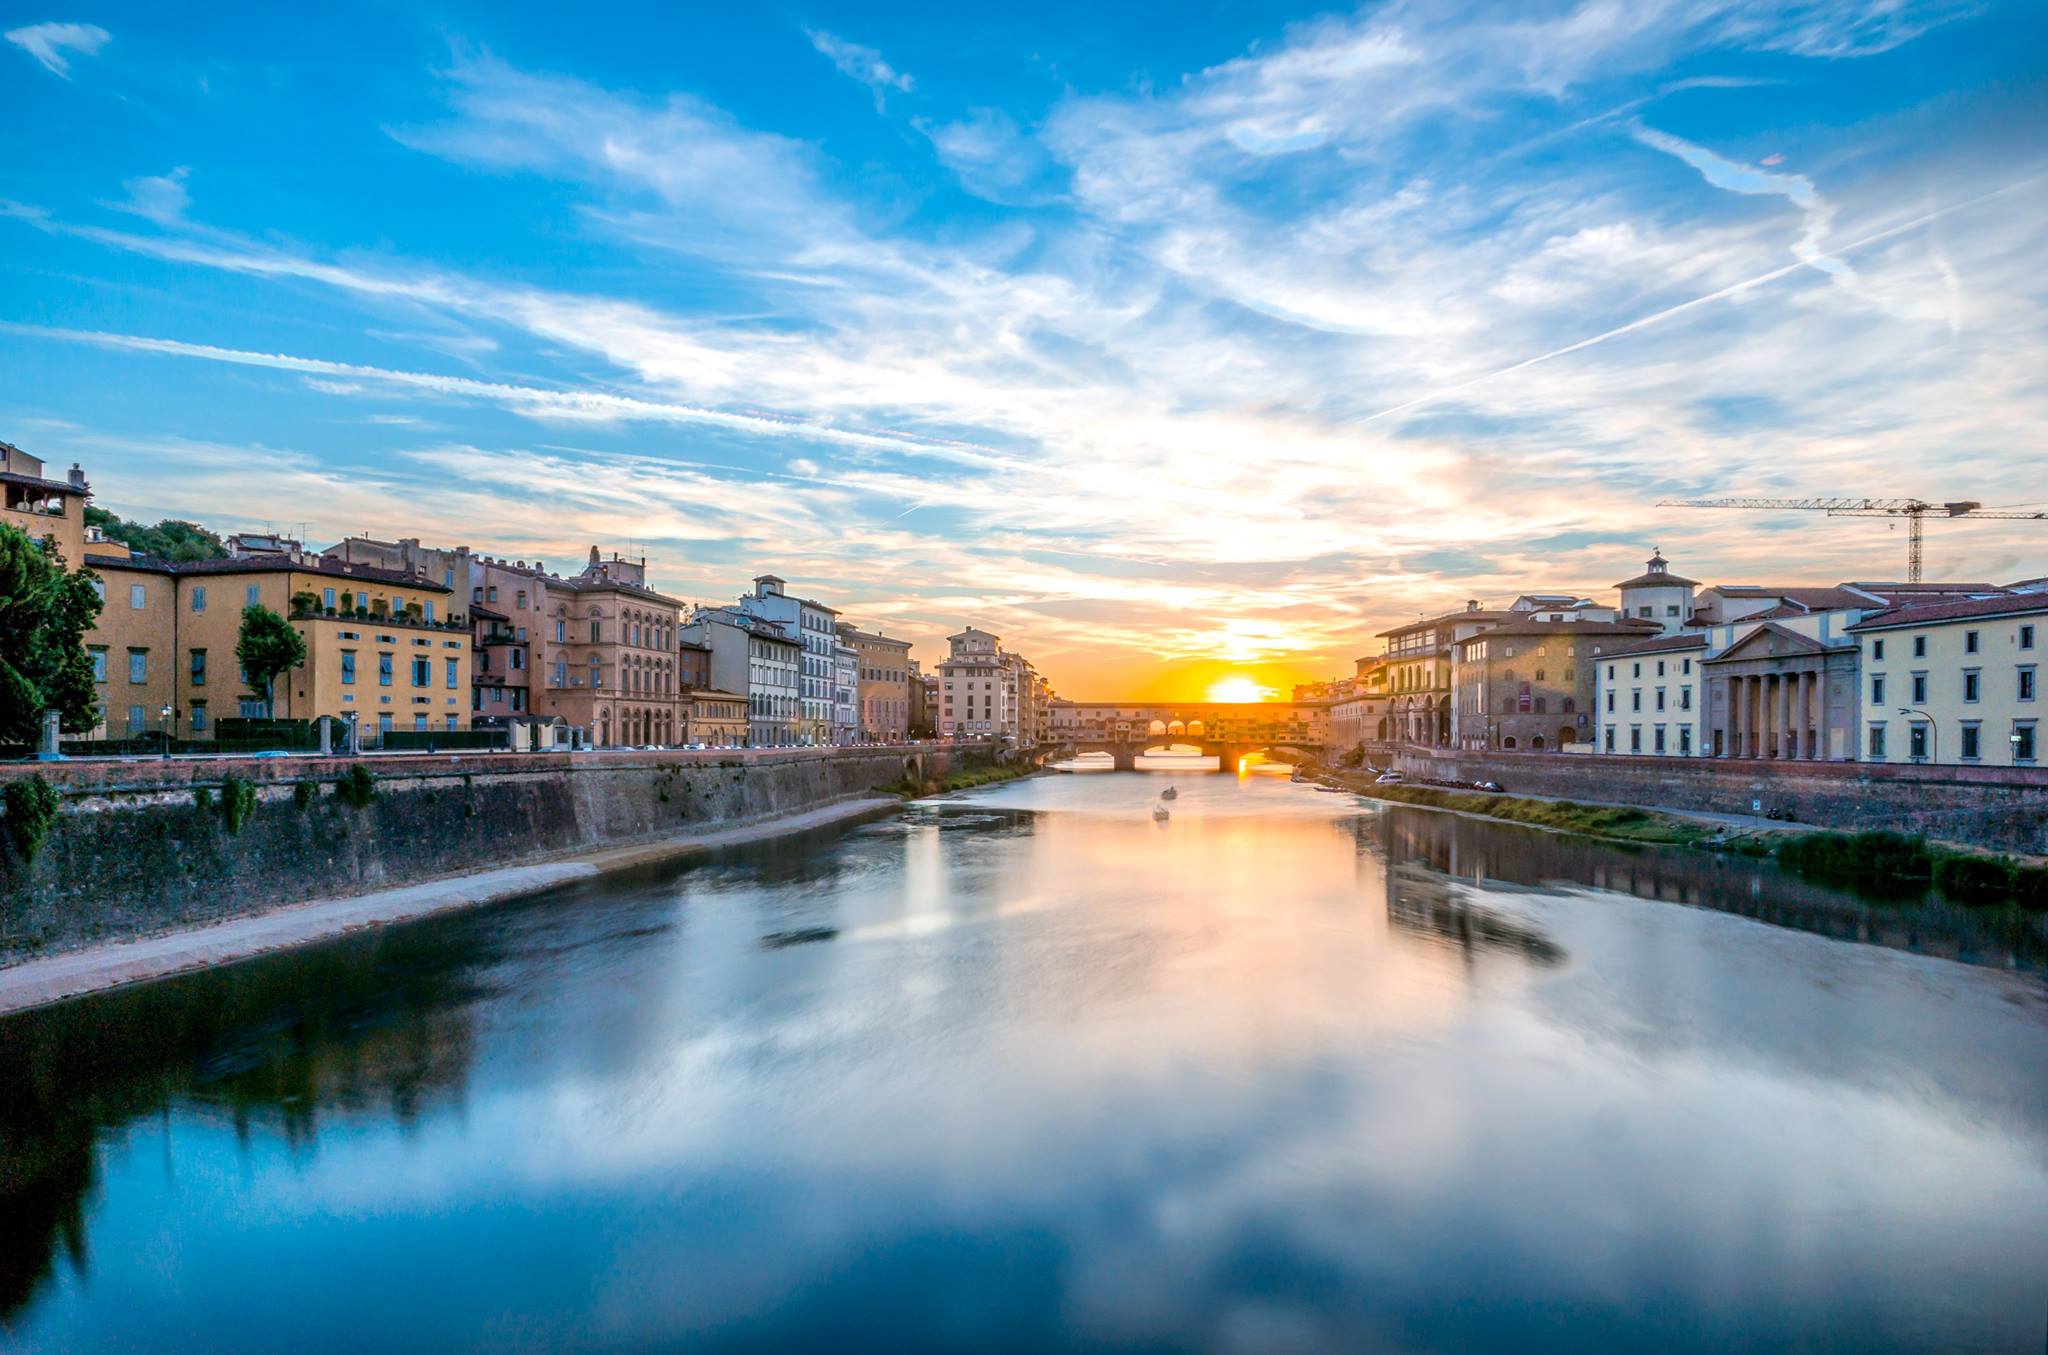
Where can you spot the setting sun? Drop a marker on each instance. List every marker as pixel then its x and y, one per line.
pixel 1238 689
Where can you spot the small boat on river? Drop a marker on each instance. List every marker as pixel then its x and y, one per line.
pixel 1159 814
pixel 1169 794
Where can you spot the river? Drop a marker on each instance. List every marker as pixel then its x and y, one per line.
pixel 1028 1070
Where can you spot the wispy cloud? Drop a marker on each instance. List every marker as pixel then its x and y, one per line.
pixel 864 64
pixel 49 42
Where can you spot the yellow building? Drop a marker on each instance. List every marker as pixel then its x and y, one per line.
pixel 46 509
pixel 717 718
pixel 384 649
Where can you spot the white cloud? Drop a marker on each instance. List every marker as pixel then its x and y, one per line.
pixel 48 43
pixel 864 64
pixel 161 198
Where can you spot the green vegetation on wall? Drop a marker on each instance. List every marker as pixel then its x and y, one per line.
pixel 31 812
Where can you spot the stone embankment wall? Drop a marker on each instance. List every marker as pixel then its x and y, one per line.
pixel 132 852
pixel 2005 808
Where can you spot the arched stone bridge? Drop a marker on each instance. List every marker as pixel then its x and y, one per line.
pixel 1226 730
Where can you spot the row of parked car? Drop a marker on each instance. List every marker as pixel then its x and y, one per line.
pixel 1401 779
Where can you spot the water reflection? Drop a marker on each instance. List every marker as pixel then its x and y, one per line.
pixel 1026 1071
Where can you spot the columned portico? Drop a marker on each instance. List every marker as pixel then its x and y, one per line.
pixel 1769 697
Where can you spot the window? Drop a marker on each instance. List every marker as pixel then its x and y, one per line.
pixel 1671 609
pixel 1658 742
pixel 1635 738
pixel 1685 698
pixel 138 665
pixel 1969 642
pixel 384 670
pixel 198 717
pixel 1973 741
pixel 1877 649
pixel 1916 741
pixel 596 631
pixel 2023 741
pixel 198 668
pixel 1638 670
pixel 1919 688
pixel 454 671
pixel 2026 637
pixel 1635 699
pixel 348 667
pixel 419 724
pixel 383 722
pixel 1610 738
pixel 253 596
pixel 451 724
pixel 138 597
pixel 327 598
pixel 2026 685
pixel 1972 684
pixel 1685 666
pixel 137 720
pixel 492 593
pixel 1919 646
pixel 422 672
pixel 199 599
pixel 1660 698
pixel 99 665
pixel 1877 689
pixel 561 632
pixel 428 611
pixel 1685 740
pixel 1876 743
pixel 1660 668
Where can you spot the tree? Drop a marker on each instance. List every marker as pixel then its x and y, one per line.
pixel 267 648
pixel 171 539
pixel 45 611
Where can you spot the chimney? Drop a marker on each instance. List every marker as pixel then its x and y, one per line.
pixel 1471 604
pixel 77 476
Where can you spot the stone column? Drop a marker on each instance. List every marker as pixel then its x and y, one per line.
pixel 1734 717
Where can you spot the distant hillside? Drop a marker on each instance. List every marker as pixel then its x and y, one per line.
pixel 172 539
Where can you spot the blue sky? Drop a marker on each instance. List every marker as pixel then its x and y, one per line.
pixel 1156 338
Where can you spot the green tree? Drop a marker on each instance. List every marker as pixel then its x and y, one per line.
pixel 45 611
pixel 268 647
pixel 171 539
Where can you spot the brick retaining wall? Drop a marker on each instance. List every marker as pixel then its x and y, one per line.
pixel 2005 808
pixel 132 853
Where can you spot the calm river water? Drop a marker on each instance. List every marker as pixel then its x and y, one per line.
pixel 1028 1070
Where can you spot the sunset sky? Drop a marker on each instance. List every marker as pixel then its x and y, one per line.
pixel 1170 342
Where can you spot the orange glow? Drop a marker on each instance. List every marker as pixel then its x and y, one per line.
pixel 1239 688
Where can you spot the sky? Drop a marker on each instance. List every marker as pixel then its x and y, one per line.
pixel 1170 342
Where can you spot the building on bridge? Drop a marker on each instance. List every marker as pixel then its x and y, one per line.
pixel 1255 724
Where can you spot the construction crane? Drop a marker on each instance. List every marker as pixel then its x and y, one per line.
pixel 1912 510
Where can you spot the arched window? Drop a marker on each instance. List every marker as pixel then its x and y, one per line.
pixel 1508 742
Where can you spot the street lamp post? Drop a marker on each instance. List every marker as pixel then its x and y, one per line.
pixel 1933 731
pixel 167 714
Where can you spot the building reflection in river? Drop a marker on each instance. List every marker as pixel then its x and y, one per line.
pixel 1030 1071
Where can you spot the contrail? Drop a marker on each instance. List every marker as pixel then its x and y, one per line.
pixel 1660 316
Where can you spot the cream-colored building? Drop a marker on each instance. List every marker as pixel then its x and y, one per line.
pixel 976 689
pixel 716 718
pixel 1956 681
pixel 882 691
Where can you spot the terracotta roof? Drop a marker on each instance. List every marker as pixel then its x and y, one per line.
pixel 2003 604
pixel 1482 614
pixel 148 564
pixel 1615 628
pixel 309 564
pixel 1661 644
pixel 38 482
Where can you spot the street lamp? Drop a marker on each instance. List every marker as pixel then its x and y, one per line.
pixel 166 715
pixel 1933 732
